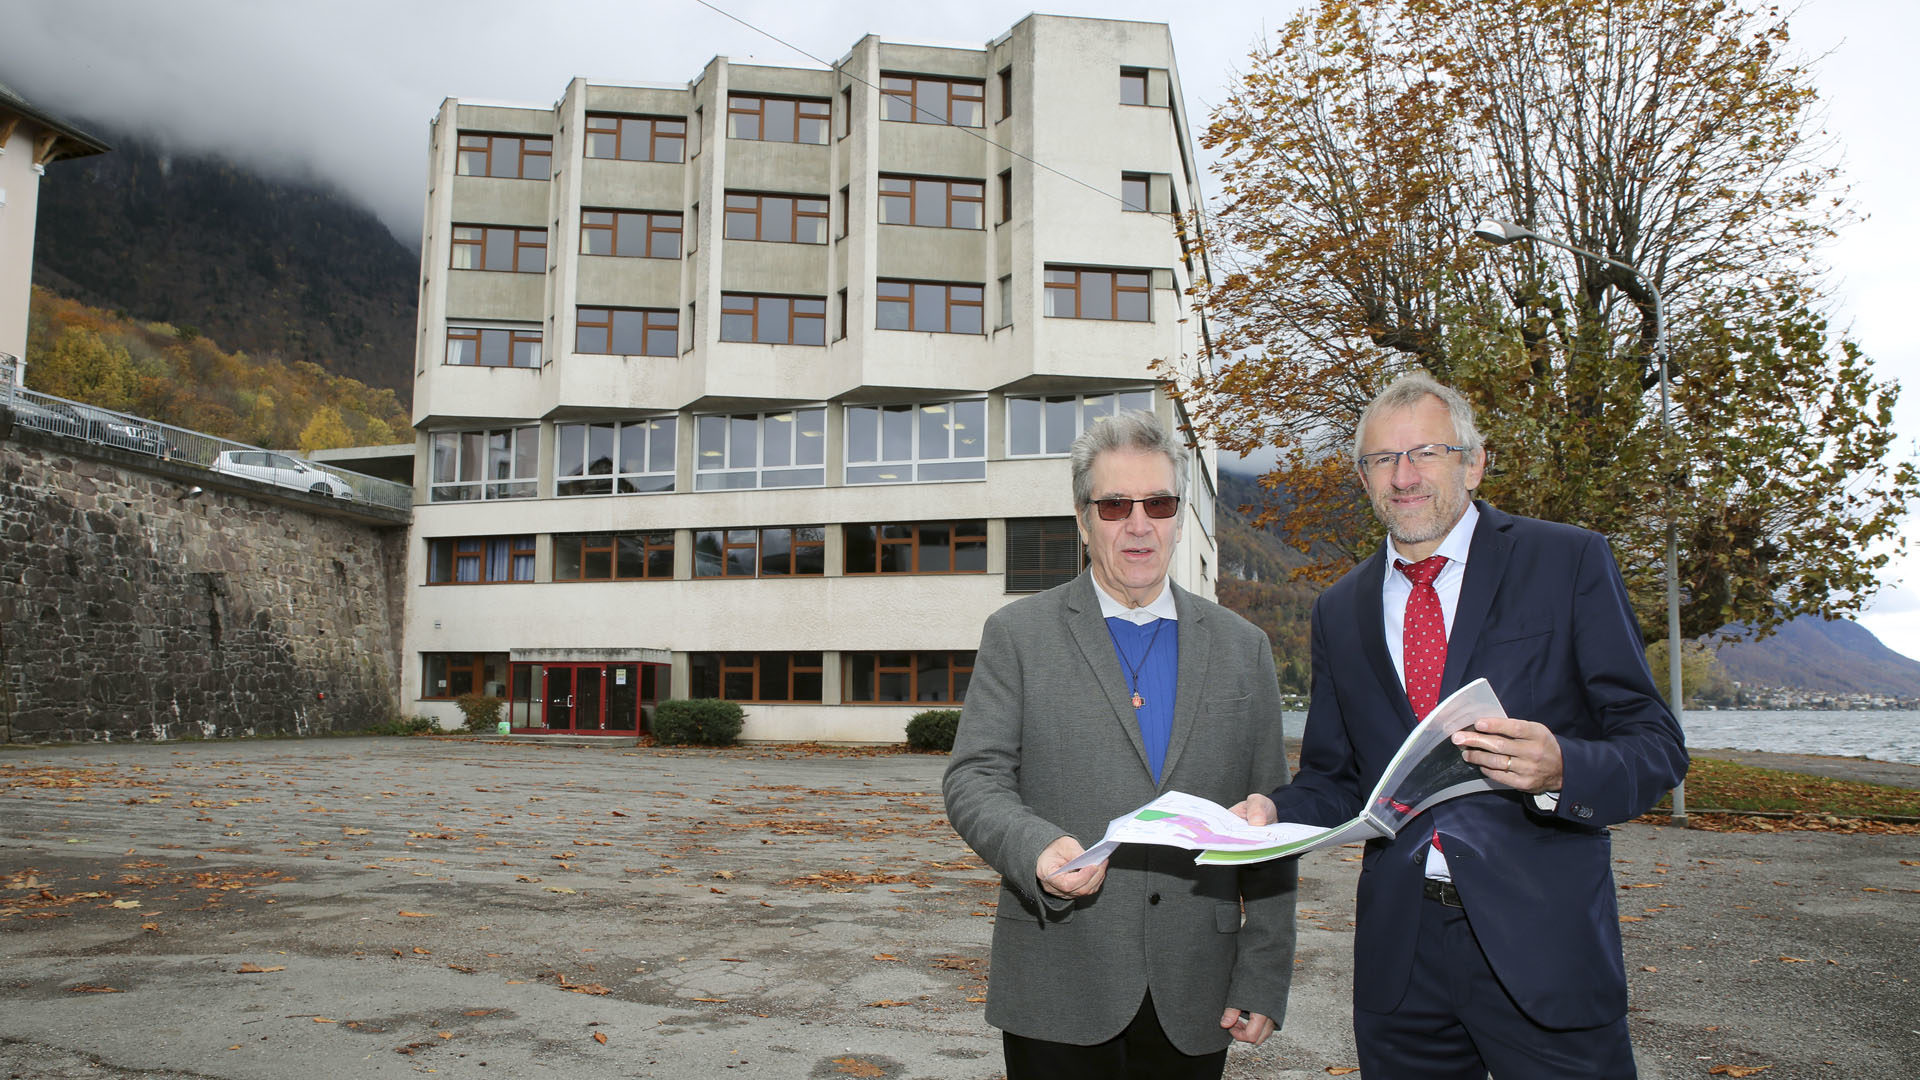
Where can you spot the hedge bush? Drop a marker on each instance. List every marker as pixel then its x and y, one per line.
pixel 933 730
pixel 697 722
pixel 482 711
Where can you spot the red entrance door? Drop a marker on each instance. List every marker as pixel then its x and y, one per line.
pixel 584 698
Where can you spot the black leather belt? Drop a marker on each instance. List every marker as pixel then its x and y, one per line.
pixel 1443 891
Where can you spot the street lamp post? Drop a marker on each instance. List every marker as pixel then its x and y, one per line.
pixel 1501 233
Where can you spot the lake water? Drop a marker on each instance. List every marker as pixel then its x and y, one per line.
pixel 1891 735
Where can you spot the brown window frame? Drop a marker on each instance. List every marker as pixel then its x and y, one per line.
pixel 583 325
pixel 806 111
pixel 945 194
pixel 1006 92
pixel 620 125
pixel 1043 552
pixel 750 664
pixel 753 205
pixel 733 305
pixel 1130 75
pixel 609 545
pixel 510 339
pixel 530 148
pixel 528 247
pixel 950 303
pixel 652 225
pixel 889 663
pixel 1006 196
pixel 754 541
pixel 445 553
pixel 911 542
pixel 474 667
pixel 893 94
pixel 1140 282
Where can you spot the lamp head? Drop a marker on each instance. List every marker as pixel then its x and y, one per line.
pixel 194 492
pixel 1499 233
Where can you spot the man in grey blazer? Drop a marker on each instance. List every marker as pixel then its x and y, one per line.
pixel 1086 702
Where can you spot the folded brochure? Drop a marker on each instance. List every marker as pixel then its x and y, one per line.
pixel 1427 769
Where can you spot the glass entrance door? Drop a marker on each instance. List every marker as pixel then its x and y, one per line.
pixel 584 698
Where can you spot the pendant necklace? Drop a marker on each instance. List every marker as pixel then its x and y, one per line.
pixel 1133 677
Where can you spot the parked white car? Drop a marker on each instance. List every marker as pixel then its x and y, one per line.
pixel 281 469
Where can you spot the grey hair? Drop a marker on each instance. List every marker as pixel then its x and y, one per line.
pixel 1409 390
pixel 1133 430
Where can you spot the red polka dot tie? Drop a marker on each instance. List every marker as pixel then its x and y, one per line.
pixel 1423 643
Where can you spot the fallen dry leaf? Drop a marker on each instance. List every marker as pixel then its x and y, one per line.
pixel 1792 960
pixel 1738 1070
pixel 415 915
pixel 1342 1070
pixel 251 968
pixel 853 1066
pixel 885 1004
pixel 600 1037
pixel 126 905
pixel 89 988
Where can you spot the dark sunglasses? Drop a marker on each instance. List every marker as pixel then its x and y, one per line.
pixel 1156 506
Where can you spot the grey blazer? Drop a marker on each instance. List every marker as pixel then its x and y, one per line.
pixel 1048 745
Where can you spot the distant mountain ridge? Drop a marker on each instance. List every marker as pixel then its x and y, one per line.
pixel 271 267
pixel 1807 653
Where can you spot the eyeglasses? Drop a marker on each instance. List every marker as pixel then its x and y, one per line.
pixel 1422 457
pixel 1156 506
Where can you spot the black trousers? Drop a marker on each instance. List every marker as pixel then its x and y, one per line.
pixel 1141 1052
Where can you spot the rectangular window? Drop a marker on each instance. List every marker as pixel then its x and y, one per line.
pixel 1006 195
pixel 779 219
pixel 445 676
pixel 637 138
pixel 494 346
pixel 788 551
pixel 479 560
pixel 1133 86
pixel 900 677
pixel 503 463
pixel 773 320
pixel 846 211
pixel 1042 426
pixel 840 332
pixel 1006 92
pixel 510 157
pixel 632 457
pixel 495 247
pixel 1098 294
pixel 846 111
pixel 920 100
pixel 924 443
pixel 771 119
pixel 932 202
pixel 760 450
pixel 1042 553
pixel 934 307
pixel 637 234
pixel 774 677
pixel 622 556
pixel 1133 191
pixel 920 547
pixel 699 122
pixel 627 332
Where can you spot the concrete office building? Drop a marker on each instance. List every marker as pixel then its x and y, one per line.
pixel 760 387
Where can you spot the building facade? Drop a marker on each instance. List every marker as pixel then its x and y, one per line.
pixel 760 387
pixel 30 139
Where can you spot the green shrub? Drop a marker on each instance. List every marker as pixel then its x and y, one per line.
pixel 406 725
pixel 482 711
pixel 699 722
pixel 933 730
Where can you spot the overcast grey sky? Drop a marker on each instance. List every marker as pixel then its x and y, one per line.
pixel 342 90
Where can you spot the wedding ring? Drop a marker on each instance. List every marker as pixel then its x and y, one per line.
pixel 1508 767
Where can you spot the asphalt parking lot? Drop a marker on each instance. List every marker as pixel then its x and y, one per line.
pixel 395 907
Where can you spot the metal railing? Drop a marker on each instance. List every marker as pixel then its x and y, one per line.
pixel 104 427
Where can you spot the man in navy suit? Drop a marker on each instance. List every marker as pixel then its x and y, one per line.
pixel 1487 936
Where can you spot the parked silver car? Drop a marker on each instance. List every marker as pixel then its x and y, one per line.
pixel 86 422
pixel 281 469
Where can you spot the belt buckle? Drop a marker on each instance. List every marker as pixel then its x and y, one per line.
pixel 1443 891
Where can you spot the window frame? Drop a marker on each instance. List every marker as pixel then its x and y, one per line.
pixel 797 663
pixel 611 330
pixel 795 472
pixel 528 248
pixel 476 667
pixel 800 208
pixel 510 338
pixel 731 307
pixel 948 197
pixel 515 553
pixel 912 545
pixel 645 541
pixel 484 478
pixel 958 675
pixel 1130 75
pixel 653 225
pixel 949 302
pixel 1045 553
pixel 892 94
pixel 1144 182
pixel 617 480
pixel 801 119
pixel 754 541
pixel 654 137
pixel 524 153
pixel 919 468
pixel 1078 289
pixel 1084 411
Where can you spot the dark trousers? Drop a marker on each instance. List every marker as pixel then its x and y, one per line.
pixel 1141 1052
pixel 1457 1022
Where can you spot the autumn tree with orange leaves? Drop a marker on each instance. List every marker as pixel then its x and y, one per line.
pixel 1677 136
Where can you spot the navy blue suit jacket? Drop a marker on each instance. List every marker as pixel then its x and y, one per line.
pixel 1543 616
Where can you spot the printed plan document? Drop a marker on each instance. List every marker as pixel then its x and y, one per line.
pixel 1428 769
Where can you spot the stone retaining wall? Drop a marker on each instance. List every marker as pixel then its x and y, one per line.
pixel 131 610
